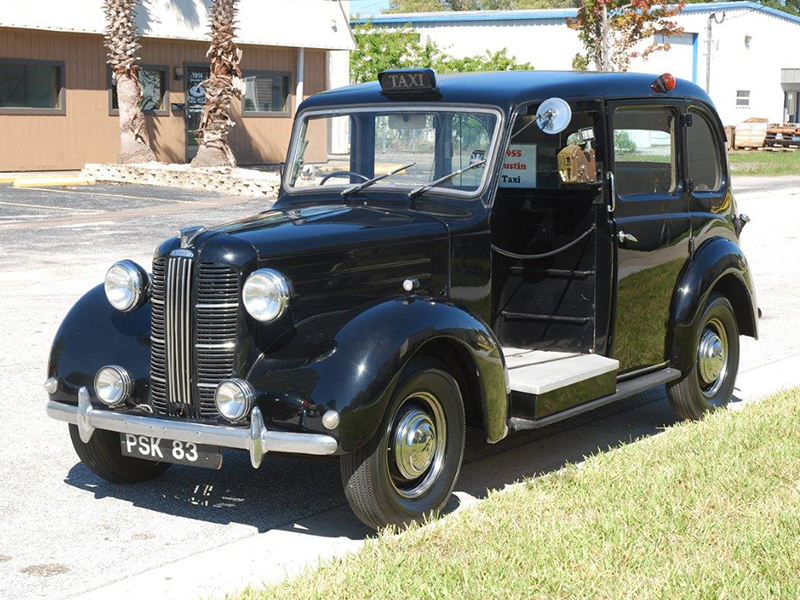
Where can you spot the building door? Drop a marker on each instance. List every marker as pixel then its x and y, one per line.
pixel 791 107
pixel 652 227
pixel 195 101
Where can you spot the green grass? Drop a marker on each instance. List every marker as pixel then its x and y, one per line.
pixel 706 510
pixel 765 163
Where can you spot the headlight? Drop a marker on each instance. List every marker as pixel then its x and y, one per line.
pixel 234 398
pixel 126 285
pixel 266 295
pixel 113 385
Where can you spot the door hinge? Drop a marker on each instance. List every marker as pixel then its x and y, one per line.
pixel 691 247
pixel 690 185
pixel 688 119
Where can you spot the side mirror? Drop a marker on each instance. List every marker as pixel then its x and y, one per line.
pixel 553 116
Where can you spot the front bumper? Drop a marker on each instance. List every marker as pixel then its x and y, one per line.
pixel 256 439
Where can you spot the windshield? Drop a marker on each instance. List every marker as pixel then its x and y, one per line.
pixel 350 147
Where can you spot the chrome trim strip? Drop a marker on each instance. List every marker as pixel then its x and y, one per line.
pixel 257 439
pixel 222 346
pixel 221 305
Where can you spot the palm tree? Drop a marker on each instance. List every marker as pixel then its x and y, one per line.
pixel 123 44
pixel 224 82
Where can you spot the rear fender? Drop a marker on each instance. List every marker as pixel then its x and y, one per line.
pixel 718 265
pixel 359 355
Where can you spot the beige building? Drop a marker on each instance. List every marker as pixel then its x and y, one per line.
pixel 58 103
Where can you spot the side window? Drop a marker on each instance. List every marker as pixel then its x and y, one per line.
pixel 703 155
pixel 644 150
pixel 543 161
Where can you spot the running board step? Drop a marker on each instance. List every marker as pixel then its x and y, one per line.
pixel 625 390
pixel 539 372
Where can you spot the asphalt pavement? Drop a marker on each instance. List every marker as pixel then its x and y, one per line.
pixel 65 532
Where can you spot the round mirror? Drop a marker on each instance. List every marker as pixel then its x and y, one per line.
pixel 553 115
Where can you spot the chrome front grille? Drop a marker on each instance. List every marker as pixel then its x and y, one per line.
pixel 215 342
pixel 178 329
pixel 192 349
pixel 158 350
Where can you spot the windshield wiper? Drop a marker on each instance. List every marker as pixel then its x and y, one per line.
pixel 421 190
pixel 365 184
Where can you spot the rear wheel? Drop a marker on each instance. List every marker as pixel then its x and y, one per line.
pixel 408 471
pixel 103 457
pixel 709 384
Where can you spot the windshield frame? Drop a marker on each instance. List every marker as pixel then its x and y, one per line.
pixel 344 110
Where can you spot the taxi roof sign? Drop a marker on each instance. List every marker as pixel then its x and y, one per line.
pixel 408 81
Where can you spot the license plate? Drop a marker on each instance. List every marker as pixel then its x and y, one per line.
pixel 171 451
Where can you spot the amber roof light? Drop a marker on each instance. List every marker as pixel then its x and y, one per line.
pixel 663 84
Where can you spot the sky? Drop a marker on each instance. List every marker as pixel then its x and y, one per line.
pixel 368 7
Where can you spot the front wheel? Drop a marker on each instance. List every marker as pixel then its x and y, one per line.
pixel 103 456
pixel 709 384
pixel 408 471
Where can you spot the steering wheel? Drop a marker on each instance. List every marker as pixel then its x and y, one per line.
pixel 342 174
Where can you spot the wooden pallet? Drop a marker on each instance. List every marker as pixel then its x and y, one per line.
pixel 767 148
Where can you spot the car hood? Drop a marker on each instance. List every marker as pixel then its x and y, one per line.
pixel 295 231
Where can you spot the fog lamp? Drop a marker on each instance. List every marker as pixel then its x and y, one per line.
pixel 234 398
pixel 113 385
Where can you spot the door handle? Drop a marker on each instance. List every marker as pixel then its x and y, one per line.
pixel 612 188
pixel 626 237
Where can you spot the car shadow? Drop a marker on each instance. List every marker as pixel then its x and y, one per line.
pixel 287 490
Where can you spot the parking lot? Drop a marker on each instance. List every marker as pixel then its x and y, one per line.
pixel 65 532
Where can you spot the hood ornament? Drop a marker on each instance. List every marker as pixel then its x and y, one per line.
pixel 188 234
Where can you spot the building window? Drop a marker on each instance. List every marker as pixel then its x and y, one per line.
pixel 155 91
pixel 32 87
pixel 743 98
pixel 265 93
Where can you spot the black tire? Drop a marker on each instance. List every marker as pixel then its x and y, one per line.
pixel 379 494
pixel 694 395
pixel 103 457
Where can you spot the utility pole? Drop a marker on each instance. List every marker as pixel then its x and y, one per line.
pixel 712 18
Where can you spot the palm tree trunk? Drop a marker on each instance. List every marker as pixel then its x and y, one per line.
pixel 133 139
pixel 123 45
pixel 224 83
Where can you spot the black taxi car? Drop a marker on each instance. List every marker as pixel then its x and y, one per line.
pixel 499 250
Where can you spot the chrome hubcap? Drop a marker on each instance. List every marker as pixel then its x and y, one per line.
pixel 712 357
pixel 417 445
pixel 414 443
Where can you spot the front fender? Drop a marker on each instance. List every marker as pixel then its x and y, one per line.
pixel 358 356
pixel 716 260
pixel 94 334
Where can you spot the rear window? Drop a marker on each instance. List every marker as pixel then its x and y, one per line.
pixel 703 155
pixel 644 150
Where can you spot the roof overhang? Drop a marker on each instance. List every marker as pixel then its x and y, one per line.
pixel 546 14
pixel 319 24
